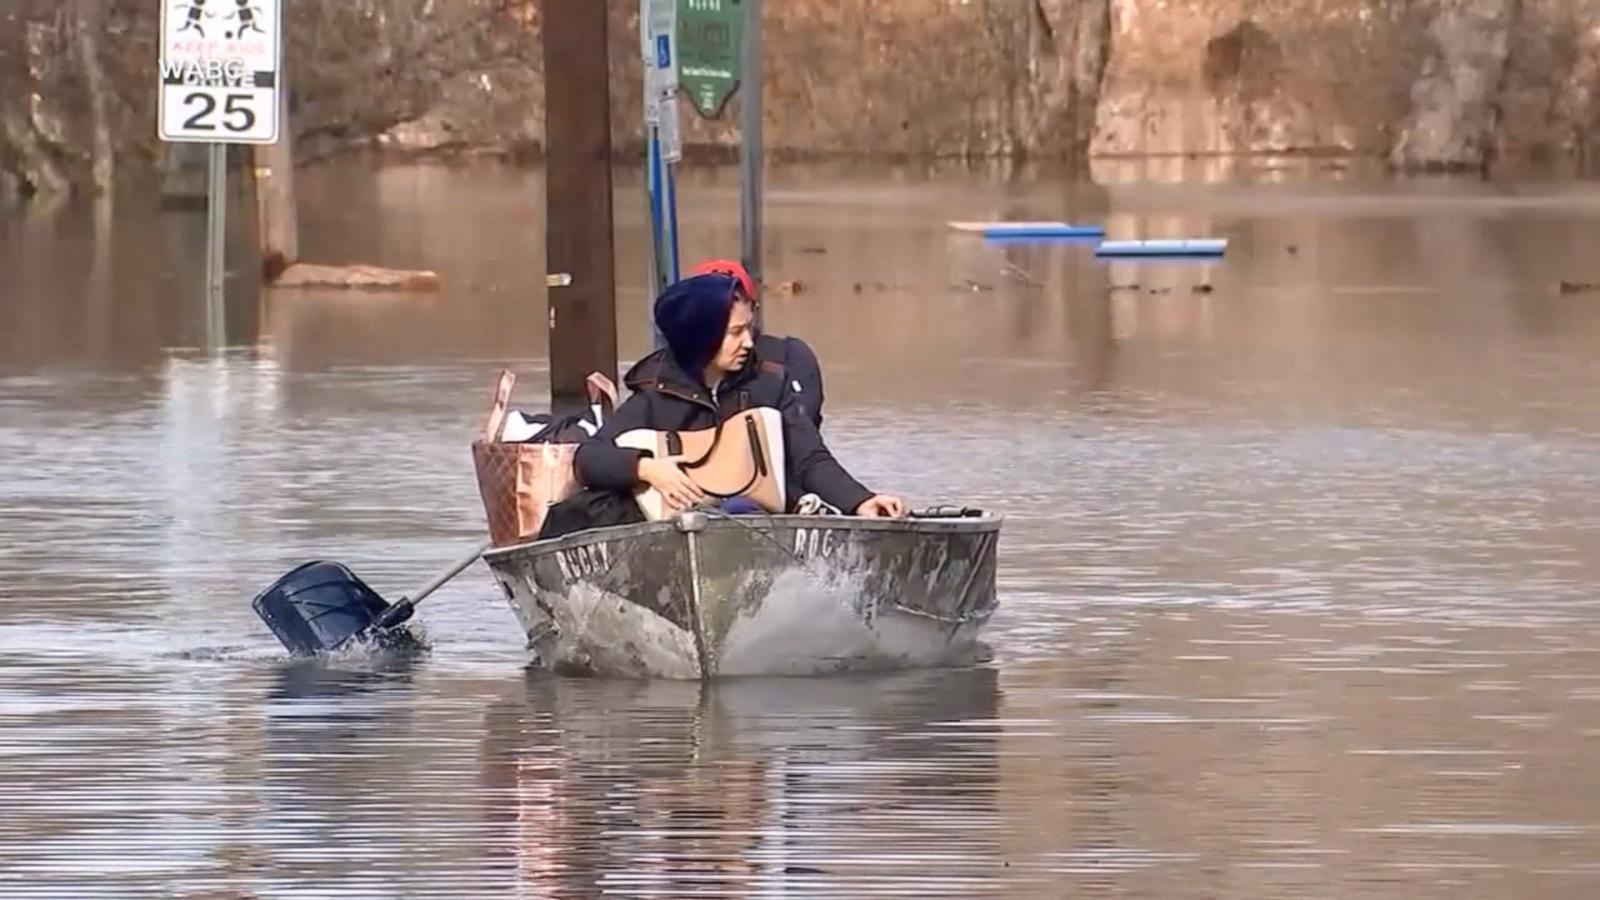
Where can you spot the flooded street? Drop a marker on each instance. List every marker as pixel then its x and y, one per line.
pixel 1299 583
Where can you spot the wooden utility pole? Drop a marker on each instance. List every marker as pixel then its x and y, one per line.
pixel 277 213
pixel 581 269
pixel 278 228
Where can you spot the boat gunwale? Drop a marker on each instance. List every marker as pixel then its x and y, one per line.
pixel 988 522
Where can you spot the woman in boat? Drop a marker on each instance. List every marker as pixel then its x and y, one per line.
pixel 708 373
pixel 789 357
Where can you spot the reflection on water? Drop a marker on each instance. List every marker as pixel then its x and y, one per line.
pixel 1297 578
pixel 750 785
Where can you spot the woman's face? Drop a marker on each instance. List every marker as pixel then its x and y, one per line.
pixel 738 340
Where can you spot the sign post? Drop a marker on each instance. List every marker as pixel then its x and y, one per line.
pixel 751 157
pixel 219 84
pixel 712 49
pixel 216 245
pixel 719 55
pixel 710 40
pixel 659 43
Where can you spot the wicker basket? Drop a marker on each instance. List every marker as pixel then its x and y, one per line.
pixel 519 482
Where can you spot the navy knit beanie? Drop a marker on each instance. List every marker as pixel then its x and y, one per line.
pixel 693 317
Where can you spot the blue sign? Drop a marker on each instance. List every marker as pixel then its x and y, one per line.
pixel 663 51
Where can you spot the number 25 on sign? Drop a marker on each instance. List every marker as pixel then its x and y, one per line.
pixel 220 70
pixel 213 102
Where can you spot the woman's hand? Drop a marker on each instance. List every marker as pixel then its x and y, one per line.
pixel 882 506
pixel 672 483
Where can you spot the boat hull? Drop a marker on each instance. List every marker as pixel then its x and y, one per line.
pixel 707 595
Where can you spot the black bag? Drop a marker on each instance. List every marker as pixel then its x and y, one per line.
pixel 564 430
pixel 590 508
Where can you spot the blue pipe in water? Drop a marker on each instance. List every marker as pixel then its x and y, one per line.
pixel 1200 247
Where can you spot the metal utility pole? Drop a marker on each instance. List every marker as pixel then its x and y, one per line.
pixel 750 149
pixel 580 272
pixel 217 246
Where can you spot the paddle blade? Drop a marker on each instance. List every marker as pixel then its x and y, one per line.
pixel 318 607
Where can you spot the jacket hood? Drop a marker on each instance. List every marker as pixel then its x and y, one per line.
pixel 692 316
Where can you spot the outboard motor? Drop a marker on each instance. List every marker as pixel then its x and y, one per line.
pixel 318 607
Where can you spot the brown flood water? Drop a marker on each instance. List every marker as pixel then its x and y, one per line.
pixel 1299 578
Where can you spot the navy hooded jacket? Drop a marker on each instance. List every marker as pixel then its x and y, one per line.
pixel 693 316
pixel 789 357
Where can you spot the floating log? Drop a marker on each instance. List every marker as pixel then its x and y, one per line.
pixel 1576 287
pixel 308 275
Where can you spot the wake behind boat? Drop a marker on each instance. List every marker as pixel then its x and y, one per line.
pixel 704 594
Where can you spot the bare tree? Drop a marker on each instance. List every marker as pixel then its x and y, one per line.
pixel 25 153
pixel 89 24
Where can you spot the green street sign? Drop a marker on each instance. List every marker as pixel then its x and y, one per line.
pixel 710 52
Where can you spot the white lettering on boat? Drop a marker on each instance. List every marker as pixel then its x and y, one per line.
pixel 813 543
pixel 583 562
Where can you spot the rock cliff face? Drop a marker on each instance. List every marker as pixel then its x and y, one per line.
pixel 1428 84
pixel 1423 83
pixel 1243 76
pixel 1068 52
pixel 1455 99
pixel 1547 100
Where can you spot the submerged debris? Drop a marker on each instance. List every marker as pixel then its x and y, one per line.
pixel 861 287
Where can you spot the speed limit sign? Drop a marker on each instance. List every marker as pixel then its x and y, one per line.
pixel 220 67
